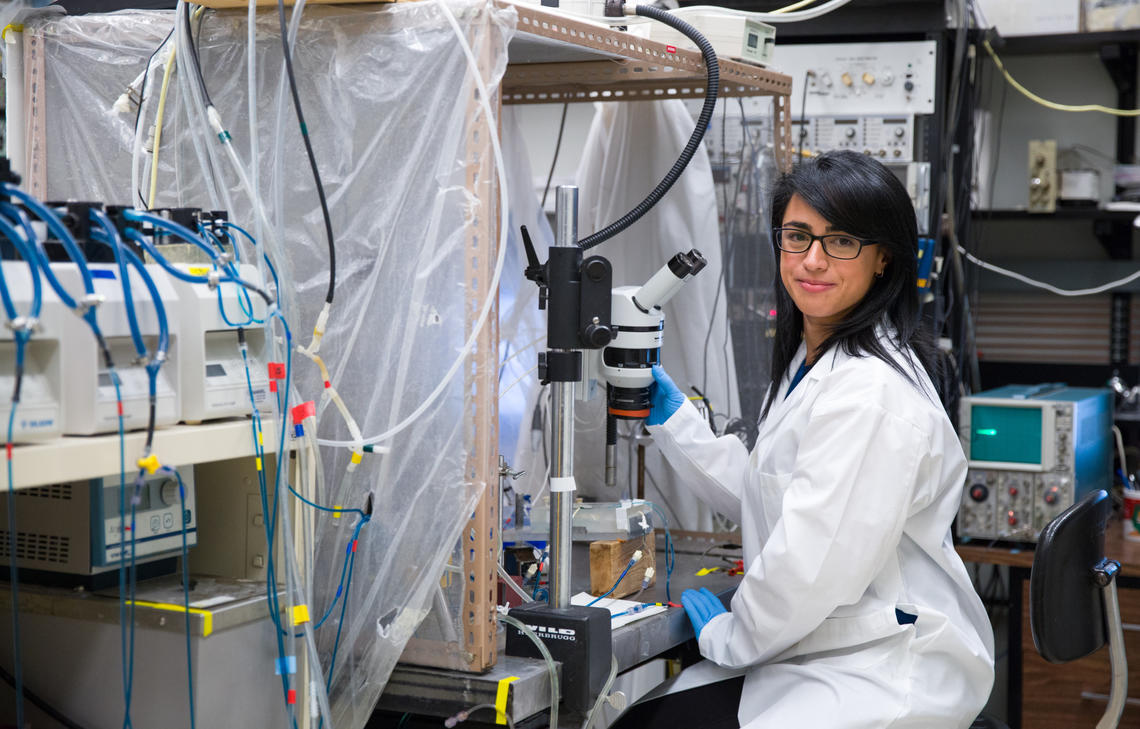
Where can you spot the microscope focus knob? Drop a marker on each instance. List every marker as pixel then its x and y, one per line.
pixel 598 335
pixel 595 269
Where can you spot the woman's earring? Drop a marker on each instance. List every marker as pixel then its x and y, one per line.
pixel 879 274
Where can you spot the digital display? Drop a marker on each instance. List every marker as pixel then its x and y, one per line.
pixel 753 40
pixel 215 370
pixel 1005 434
pixel 111 498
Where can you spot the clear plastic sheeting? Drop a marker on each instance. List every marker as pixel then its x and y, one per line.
pixel 390 105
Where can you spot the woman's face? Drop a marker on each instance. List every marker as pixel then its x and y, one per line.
pixel 825 289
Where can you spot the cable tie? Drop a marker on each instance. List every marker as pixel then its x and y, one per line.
pixel 88 302
pixel 150 463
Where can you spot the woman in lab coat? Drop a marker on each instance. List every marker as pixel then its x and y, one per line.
pixel 854 611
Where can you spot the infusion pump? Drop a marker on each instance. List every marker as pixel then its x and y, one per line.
pixel 39 414
pixel 1033 452
pixel 213 379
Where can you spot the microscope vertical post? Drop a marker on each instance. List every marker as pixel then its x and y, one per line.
pixel 562 431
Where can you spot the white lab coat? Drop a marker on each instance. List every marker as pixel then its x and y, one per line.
pixel 845 507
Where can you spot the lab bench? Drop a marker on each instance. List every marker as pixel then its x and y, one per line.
pixel 441 693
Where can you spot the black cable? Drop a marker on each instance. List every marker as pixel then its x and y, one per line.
pixel 194 59
pixel 308 149
pixel 553 162
pixel 682 162
pixel 43 705
pixel 803 117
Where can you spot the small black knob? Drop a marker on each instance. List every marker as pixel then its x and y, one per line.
pixel 979 492
pixel 909 86
pixel 597 335
pixel 595 269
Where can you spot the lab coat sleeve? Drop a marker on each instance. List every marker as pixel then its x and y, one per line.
pixel 841 518
pixel 714 468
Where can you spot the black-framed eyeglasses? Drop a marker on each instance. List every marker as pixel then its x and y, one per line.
pixel 837 245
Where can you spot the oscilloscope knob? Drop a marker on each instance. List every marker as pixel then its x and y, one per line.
pixel 979 492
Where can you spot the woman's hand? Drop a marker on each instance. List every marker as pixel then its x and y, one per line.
pixel 702 606
pixel 665 398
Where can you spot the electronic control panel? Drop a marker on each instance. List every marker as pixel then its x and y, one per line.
pixel 860 78
pixel 75 528
pixel 1033 451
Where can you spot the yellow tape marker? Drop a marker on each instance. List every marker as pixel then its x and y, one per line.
pixel 922 283
pixel 260 440
pixel 300 614
pixel 199 270
pixel 18 27
pixel 706 571
pixel 207 616
pixel 336 514
pixel 357 457
pixel 258 462
pixel 501 699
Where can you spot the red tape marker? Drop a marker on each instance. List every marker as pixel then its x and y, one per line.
pixel 291 697
pixel 8 447
pixel 304 410
pixel 353 545
pixel 671 49
pixel 327 384
pixel 273 385
pixel 276 370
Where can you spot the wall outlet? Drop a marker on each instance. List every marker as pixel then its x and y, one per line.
pixel 1042 175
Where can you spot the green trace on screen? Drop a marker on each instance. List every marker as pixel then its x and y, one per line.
pixel 1005 434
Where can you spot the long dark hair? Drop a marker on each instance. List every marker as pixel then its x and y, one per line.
pixel 860 196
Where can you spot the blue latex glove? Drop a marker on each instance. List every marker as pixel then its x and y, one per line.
pixel 701 606
pixel 665 398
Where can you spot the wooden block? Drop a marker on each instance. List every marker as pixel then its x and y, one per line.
pixel 608 559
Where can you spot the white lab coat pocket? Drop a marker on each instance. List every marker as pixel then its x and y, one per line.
pixel 860 639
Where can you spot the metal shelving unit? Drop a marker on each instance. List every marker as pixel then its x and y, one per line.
pixel 555 58
pixel 78 457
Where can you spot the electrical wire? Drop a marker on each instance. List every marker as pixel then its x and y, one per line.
pixel 308 149
pixel 777 16
pixel 793 6
pixel 712 85
pixel 1047 286
pixel 554 161
pixel 1052 104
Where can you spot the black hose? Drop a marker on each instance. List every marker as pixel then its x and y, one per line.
pixel 703 120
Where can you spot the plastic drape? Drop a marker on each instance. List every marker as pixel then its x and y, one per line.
pixel 388 101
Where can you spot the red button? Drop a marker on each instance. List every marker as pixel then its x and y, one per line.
pixel 1013 491
pixel 1012 519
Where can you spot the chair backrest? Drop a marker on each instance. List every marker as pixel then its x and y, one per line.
pixel 1066 606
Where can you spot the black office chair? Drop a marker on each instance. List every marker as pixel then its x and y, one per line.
pixel 1073 609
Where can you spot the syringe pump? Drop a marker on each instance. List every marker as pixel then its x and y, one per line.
pixel 213 375
pixel 88 391
pixel 39 413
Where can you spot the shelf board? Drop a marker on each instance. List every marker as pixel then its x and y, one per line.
pixel 557 58
pixel 1062 213
pixel 74 458
pixel 1065 42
